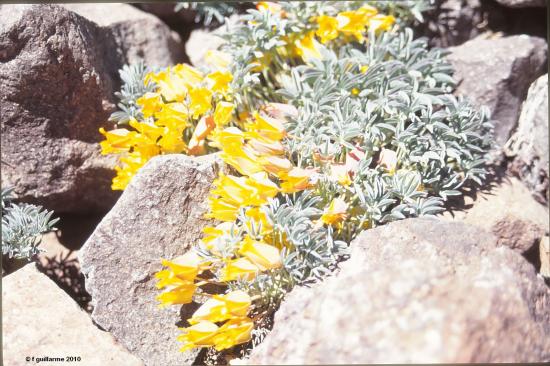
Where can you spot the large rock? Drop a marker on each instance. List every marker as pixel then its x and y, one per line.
pixel 137 34
pixel 529 144
pixel 58 74
pixel 159 215
pixel 417 291
pixel 497 73
pixel 509 211
pixel 39 320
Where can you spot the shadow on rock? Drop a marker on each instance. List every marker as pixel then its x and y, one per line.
pixel 64 270
pixel 496 176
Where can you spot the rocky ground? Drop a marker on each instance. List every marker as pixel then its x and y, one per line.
pixel 469 286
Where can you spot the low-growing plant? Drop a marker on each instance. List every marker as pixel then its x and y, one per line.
pixel 337 120
pixel 22 227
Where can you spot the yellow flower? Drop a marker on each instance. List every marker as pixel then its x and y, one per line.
pixel 147 130
pixel 182 294
pixel 363 69
pixel 266 128
pixel 204 127
pixel 340 172
pixel 222 209
pixel 185 267
pixel 198 335
pixel 145 149
pixel 228 139
pixel 307 47
pixel 150 104
pixel 171 87
pixel 263 255
pixel 381 22
pixel 212 233
pixel 223 113
pixel 188 74
pixel 238 268
pixel 217 59
pixel 265 188
pixel 167 278
pixel 336 212
pixel 116 141
pixel 388 160
pixel 172 142
pixel 233 332
pixel 353 23
pixel 174 116
pixel 266 148
pixel 328 28
pixel 131 164
pixel 355 91
pixel 243 159
pixel 222 307
pixel 296 180
pixel 276 165
pixel 259 219
pixel 236 189
pixel 122 178
pixel 220 81
pixel 199 101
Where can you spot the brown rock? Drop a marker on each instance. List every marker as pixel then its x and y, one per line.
pixel 508 211
pixel 58 74
pixel 529 145
pixel 497 73
pixel 137 34
pixel 417 291
pixel 39 320
pixel 159 215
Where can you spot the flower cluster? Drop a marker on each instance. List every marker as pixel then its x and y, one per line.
pixel 184 107
pixel 242 245
pixel 331 119
pixel 278 36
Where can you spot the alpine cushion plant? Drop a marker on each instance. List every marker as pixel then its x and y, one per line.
pixel 333 119
pixel 22 227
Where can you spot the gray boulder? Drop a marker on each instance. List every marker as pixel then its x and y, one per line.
pixel 529 145
pixel 509 211
pixel 497 73
pixel 58 74
pixel 137 34
pixel 40 320
pixel 159 215
pixel 416 291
